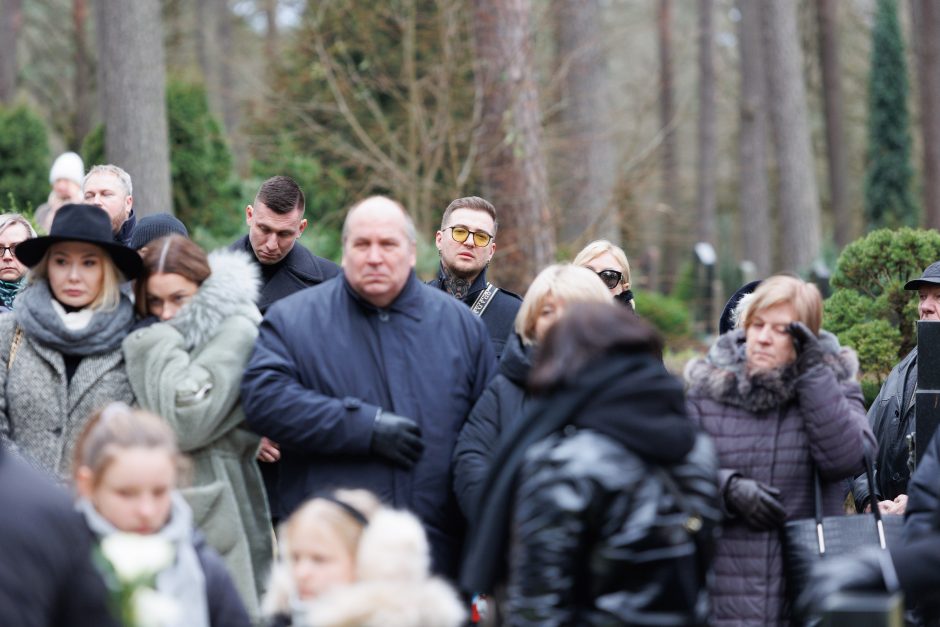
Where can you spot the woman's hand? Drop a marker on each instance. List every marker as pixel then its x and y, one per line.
pixel 808 351
pixel 756 503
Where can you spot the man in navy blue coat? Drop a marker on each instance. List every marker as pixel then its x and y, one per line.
pixel 365 381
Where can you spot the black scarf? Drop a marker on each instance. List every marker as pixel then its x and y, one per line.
pixel 630 398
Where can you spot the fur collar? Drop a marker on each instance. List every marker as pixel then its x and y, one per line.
pixel 230 290
pixel 722 376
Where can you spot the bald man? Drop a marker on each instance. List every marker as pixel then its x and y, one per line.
pixel 371 390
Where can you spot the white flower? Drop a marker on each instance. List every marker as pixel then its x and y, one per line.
pixel 152 609
pixel 135 556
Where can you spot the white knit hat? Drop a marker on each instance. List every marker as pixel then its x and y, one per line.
pixel 69 166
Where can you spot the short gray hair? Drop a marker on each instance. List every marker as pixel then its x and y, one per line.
pixel 115 171
pixel 9 219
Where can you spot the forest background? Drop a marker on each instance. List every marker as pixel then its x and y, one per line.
pixel 775 132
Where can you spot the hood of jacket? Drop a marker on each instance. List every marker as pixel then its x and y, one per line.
pixel 516 360
pixel 393 584
pixel 722 374
pixel 230 290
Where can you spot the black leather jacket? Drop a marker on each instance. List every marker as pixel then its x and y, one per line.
pixel 601 537
pixel 891 416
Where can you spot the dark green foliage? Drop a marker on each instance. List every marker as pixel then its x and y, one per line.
pixel 669 315
pixel 869 309
pixel 206 194
pixel 888 198
pixel 93 147
pixel 205 191
pixel 24 159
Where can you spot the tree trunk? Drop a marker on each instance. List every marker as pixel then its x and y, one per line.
pixel 664 265
pixel 828 27
pixel 132 91
pixel 798 200
pixel 752 144
pixel 11 19
pixel 707 144
pixel 271 34
pixel 927 44
pixel 230 109
pixel 82 115
pixel 588 157
pixel 512 167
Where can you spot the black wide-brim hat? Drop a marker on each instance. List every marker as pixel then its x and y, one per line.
pixel 931 276
pixel 82 223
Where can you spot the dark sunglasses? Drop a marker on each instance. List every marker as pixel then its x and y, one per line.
pixel 611 278
pixel 461 233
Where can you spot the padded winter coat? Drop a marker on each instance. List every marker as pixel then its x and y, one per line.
pixel 500 406
pixel 188 370
pixel 599 536
pixel 773 429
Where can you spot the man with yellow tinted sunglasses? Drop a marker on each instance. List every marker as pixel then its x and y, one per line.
pixel 467 242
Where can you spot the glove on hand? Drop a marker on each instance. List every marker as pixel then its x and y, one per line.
pixel 860 572
pixel 808 351
pixel 756 503
pixel 397 439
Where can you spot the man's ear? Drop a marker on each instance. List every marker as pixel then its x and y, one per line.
pixel 437 240
pixel 303 225
pixel 248 212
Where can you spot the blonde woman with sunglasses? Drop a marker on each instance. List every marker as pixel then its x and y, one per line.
pixel 610 263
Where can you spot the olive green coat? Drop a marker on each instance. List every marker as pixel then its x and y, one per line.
pixel 188 371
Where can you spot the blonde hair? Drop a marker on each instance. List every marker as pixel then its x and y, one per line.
pixel 116 427
pixel 599 247
pixel 110 294
pixel 325 513
pixel 784 288
pixel 566 282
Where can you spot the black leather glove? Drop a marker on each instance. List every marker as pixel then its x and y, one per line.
pixel 397 439
pixel 756 503
pixel 808 351
pixel 860 572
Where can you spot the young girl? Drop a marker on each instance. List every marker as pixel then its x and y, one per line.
pixel 187 369
pixel 347 560
pixel 125 470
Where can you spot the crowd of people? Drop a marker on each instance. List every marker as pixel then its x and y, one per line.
pixel 428 454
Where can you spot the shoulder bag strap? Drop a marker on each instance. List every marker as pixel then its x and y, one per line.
pixel 484 299
pixel 14 346
pixel 817 496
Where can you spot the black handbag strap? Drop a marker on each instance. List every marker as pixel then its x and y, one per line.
pixel 818 505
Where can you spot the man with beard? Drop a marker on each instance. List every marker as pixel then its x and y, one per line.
pixel 467 242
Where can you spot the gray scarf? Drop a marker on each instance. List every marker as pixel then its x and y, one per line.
pixel 41 323
pixel 183 581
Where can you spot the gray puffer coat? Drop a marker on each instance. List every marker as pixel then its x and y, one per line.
pixel 772 428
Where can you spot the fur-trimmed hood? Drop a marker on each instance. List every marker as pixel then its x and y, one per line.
pixel 230 290
pixel 393 586
pixel 722 374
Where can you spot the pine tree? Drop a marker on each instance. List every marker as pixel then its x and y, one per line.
pixel 888 198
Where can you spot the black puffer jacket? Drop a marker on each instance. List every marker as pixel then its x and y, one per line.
pixel 600 538
pixel 891 426
pixel 498 408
